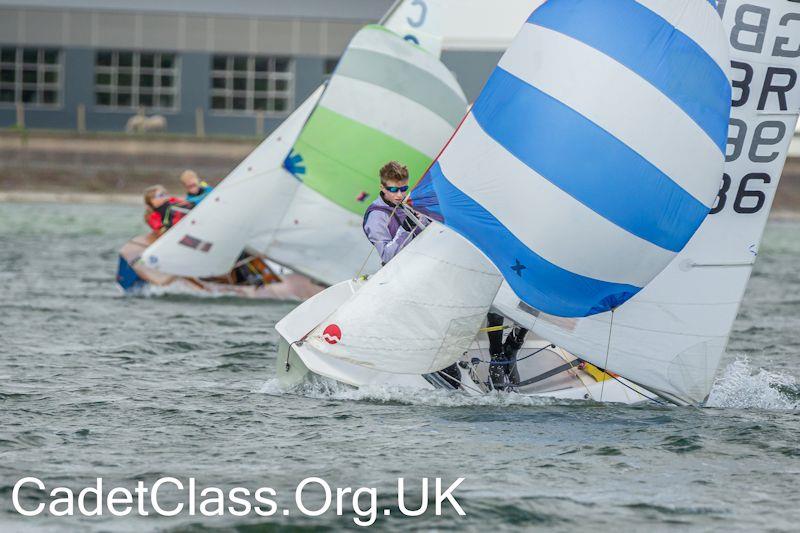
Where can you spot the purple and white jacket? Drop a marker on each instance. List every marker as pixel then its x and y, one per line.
pixel 384 229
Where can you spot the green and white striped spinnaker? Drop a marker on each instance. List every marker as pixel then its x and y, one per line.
pixel 388 99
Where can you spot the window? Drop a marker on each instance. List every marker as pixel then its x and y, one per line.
pixel 130 80
pixel 31 76
pixel 330 66
pixel 252 83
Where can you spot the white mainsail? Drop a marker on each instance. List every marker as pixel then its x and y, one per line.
pixel 249 203
pixel 418 21
pixel 671 336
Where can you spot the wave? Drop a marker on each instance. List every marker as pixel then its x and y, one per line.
pixel 742 387
pixel 326 389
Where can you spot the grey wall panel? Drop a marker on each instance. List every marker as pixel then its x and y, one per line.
pixel 196 33
pixel 8 117
pixel 309 74
pixel 274 37
pixel 79 79
pixel 354 10
pixel 217 124
pixel 195 90
pixel 44 27
pixel 9 20
pixel 310 39
pixel 116 30
pixel 79 29
pixel 231 34
pixel 472 69
pixel 160 32
pixel 338 37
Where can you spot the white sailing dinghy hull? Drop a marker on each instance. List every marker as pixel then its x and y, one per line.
pixel 549 371
pixel 136 278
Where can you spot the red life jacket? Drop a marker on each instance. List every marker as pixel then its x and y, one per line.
pixel 168 214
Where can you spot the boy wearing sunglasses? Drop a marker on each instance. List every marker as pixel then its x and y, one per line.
pixel 386 223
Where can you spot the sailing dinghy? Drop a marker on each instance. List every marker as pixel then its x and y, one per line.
pixel 570 201
pixel 299 199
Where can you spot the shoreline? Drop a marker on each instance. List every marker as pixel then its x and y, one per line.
pixel 52 197
pixel 49 197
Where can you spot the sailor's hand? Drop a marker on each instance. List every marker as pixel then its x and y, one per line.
pixel 409 224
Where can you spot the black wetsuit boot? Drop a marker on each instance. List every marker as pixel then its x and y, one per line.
pixel 513 343
pixel 497 372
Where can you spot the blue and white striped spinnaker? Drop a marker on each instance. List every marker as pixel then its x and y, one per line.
pixel 593 153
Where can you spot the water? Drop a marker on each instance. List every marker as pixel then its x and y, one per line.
pixel 93 384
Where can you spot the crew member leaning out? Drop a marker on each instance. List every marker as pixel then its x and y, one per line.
pixel 163 211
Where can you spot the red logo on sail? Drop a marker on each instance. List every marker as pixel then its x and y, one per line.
pixel 332 334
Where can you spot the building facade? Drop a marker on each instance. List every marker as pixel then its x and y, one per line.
pixel 217 68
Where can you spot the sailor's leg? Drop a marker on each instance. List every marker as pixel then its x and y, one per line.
pixel 513 343
pixel 496 372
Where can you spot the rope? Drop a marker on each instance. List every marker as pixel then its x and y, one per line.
pixel 574 371
pixel 612 376
pixel 502 362
pixel 654 400
pixel 608 351
pixel 456 380
pixel 372 248
pixel 494 328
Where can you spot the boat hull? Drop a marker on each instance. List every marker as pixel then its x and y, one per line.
pixel 134 277
pixel 545 370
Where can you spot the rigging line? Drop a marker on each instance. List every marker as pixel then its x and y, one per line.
pixel 502 362
pixel 451 379
pixel 612 376
pixel 364 264
pixel 608 352
pixel 654 400
pixel 574 371
pixel 372 248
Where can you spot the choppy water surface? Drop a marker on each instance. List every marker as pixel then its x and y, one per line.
pixel 94 384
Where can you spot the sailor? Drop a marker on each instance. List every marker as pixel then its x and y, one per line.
pixel 389 228
pixel 503 371
pixel 163 211
pixel 386 222
pixel 196 189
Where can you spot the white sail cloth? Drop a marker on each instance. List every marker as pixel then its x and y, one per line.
pixel 248 204
pixel 420 22
pixel 599 135
pixel 387 100
pixel 671 336
pixel 418 314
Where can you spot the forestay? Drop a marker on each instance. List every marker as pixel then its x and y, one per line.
pixel 671 336
pixel 594 152
pixel 245 206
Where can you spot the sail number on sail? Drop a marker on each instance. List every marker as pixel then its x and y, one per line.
pixel 775 92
